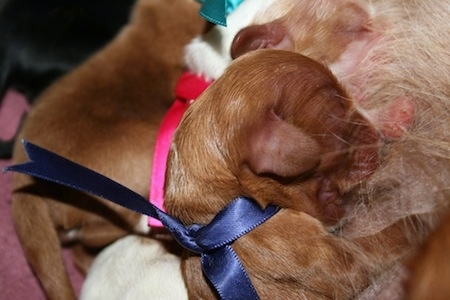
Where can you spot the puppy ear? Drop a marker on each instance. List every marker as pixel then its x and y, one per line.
pixel 267 36
pixel 281 149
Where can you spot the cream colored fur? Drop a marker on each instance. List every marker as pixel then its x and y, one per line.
pixel 135 268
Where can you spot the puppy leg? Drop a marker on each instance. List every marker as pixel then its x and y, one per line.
pixel 36 231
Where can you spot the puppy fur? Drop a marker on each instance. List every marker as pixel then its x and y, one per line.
pixel 125 270
pixel 104 115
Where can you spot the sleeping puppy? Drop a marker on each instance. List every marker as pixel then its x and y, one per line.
pixel 284 132
pixel 207 55
pixel 381 56
pixel 105 115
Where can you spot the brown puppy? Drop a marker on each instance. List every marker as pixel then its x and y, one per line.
pixel 104 115
pixel 276 127
pixel 393 60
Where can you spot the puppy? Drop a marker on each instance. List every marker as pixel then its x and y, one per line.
pixel 206 55
pixel 299 143
pixel 399 85
pixel 105 115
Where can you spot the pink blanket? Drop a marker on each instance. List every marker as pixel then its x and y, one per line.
pixel 17 281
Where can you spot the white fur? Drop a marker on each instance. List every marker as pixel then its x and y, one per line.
pixel 209 54
pixel 135 268
pixel 142 226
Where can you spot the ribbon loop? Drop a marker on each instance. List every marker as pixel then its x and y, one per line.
pixel 230 223
pixel 220 263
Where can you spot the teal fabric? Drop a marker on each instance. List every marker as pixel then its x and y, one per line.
pixel 216 11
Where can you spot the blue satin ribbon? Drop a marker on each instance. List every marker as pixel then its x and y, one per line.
pixel 220 263
pixel 216 11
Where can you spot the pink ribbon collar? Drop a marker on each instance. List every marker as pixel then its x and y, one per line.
pixel 188 88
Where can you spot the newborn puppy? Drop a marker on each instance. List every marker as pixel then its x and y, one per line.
pixel 104 115
pixel 282 132
pixel 206 55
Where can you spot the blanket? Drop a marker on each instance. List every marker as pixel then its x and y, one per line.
pixel 17 281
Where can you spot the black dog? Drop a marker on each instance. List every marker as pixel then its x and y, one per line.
pixel 44 39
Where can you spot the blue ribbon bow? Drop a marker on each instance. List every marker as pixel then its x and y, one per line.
pixel 216 11
pixel 220 263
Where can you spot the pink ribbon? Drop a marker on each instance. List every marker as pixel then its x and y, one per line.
pixel 188 88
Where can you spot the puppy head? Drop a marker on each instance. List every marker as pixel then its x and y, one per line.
pixel 276 127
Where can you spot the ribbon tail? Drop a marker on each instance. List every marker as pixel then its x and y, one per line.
pixel 225 271
pixel 49 166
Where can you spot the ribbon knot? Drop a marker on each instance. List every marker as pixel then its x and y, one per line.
pixel 212 241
